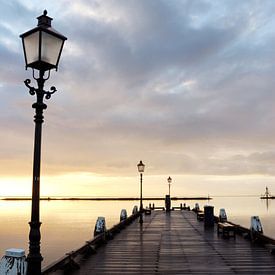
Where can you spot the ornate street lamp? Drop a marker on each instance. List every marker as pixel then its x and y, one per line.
pixel 42 49
pixel 169 183
pixel 141 167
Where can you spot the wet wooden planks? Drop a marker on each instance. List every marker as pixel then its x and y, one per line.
pixel 176 243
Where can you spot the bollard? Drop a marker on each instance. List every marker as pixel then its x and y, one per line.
pixel 14 262
pixel 147 211
pixel 209 216
pixel 167 203
pixel 150 207
pixel 181 206
pixel 255 227
pixel 123 215
pixel 135 210
pixel 153 206
pixel 222 215
pixel 100 226
pixel 196 208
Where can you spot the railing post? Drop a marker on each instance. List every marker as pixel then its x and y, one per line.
pixel 255 228
pixel 123 215
pixel 14 262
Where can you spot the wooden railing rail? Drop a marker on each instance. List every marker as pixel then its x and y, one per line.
pixel 68 261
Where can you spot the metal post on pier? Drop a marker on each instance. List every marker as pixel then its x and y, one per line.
pixel 169 184
pixel 167 203
pixel 42 47
pixel 141 167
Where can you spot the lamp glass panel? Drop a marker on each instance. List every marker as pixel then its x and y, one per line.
pixel 31 43
pixel 50 48
pixel 141 168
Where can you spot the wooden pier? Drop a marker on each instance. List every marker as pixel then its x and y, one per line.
pixel 175 243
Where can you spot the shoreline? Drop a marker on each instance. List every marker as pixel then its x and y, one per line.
pixel 103 199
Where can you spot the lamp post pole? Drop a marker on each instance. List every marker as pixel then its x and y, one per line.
pixel 141 167
pixel 34 257
pixel 169 183
pixel 141 204
pixel 42 49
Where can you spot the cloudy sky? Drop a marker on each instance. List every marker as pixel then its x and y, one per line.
pixel 185 85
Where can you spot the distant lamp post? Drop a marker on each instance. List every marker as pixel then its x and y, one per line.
pixel 42 50
pixel 141 167
pixel 169 183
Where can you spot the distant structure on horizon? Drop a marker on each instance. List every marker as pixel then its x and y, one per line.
pixel 267 195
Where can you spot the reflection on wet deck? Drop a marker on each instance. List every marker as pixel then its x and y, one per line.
pixel 176 243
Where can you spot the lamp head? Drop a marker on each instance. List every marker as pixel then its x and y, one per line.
pixel 42 45
pixel 141 167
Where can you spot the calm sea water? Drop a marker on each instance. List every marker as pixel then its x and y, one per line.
pixel 66 225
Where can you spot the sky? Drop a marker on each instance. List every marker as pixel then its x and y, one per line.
pixel 186 86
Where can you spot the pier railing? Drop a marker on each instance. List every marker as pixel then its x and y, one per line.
pixel 69 260
pixel 258 236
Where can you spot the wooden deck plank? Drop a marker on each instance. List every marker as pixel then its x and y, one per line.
pixel 176 243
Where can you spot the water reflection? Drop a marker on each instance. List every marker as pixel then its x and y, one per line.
pixel 66 225
pixel 267 203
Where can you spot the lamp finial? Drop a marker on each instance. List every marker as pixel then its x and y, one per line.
pixel 44 20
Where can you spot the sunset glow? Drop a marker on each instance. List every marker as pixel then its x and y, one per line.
pixel 185 86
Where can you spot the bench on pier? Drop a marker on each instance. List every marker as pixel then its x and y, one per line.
pixel 226 229
pixel 147 211
pixel 159 208
pixel 200 216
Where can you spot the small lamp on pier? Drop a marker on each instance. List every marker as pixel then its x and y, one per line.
pixel 169 183
pixel 141 167
pixel 42 47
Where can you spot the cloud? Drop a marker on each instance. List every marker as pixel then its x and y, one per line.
pixel 185 85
